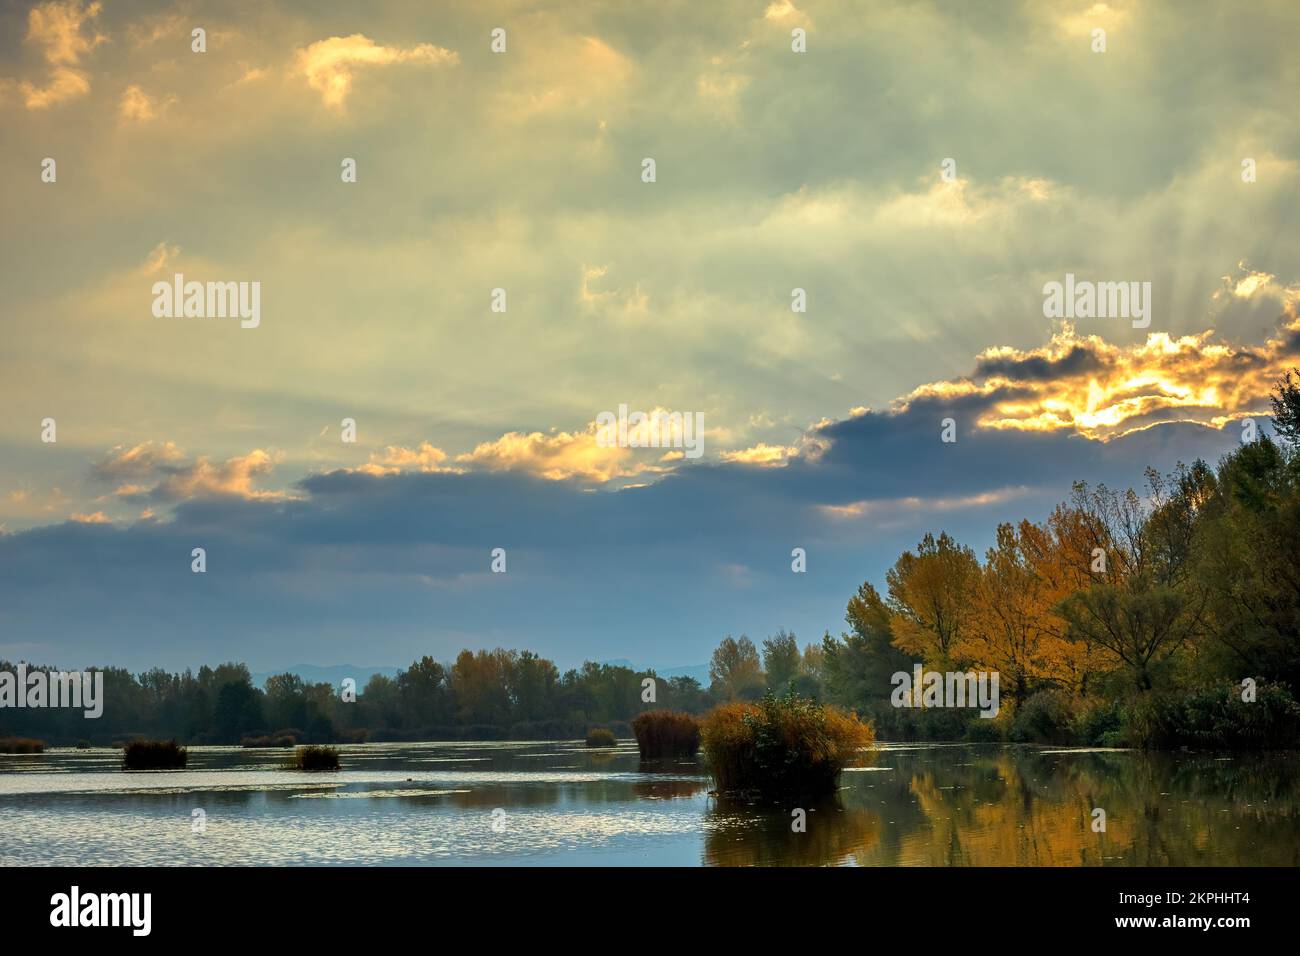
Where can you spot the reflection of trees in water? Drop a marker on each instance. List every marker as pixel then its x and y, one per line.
pixel 837 830
pixel 670 789
pixel 737 834
pixel 1022 807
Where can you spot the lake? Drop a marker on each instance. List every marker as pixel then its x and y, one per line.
pixel 528 803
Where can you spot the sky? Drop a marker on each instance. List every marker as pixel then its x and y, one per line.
pixel 920 171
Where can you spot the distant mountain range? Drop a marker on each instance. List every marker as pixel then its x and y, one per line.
pixel 334 673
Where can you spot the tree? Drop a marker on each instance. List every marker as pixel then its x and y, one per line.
pixel 286 702
pixel 781 660
pixel 1140 625
pixel 424 694
pixel 1014 629
pixel 1286 406
pixel 480 682
pixel 857 667
pixel 238 710
pixel 735 671
pixel 930 594
pixel 1141 609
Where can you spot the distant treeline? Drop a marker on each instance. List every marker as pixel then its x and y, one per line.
pixel 484 695
pixel 1123 619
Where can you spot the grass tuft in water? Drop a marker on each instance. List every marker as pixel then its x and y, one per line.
pixel 153 755
pixel 666 733
pixel 314 758
pixel 21 745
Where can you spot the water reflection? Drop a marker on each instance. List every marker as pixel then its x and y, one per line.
pixel 940 805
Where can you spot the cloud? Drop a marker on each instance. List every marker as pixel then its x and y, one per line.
pixel 161 472
pixel 137 106
pixel 1101 15
pixel 57 30
pixel 137 462
pixel 896 506
pixel 762 454
pixel 160 256
pixel 97 517
pixel 1087 386
pixel 556 456
pixel 592 76
pixel 329 66
pixel 64 85
pixel 396 459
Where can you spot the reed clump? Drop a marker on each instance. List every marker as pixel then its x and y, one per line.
pixel 21 745
pixel 666 733
pixel 601 737
pixel 312 758
pixel 781 748
pixel 153 755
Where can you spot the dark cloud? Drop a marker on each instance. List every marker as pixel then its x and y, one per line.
pixel 1037 368
pixel 654 574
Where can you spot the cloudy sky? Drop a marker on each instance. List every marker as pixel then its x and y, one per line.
pixel 522 170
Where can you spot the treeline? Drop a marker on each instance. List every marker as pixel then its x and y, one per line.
pixel 483 695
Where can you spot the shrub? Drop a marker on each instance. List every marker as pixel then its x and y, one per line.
pixel 982 730
pixel 781 748
pixel 315 758
pixel 600 737
pixel 1099 725
pixel 1046 717
pixel 21 745
pixel 153 755
pixel 1214 718
pixel 666 733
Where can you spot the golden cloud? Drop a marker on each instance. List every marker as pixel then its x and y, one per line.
pixel 329 65
pixel 137 106
pixel 762 454
pixel 162 470
pixel 56 28
pixel 554 456
pixel 1101 390
pixel 395 459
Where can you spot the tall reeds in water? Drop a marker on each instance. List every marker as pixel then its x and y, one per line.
pixel 781 748
pixel 153 755
pixel 666 733
pixel 314 758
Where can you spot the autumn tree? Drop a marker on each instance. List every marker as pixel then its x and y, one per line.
pixel 931 594
pixel 735 670
pixel 1014 628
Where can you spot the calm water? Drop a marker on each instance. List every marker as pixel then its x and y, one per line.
pixel 907 804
